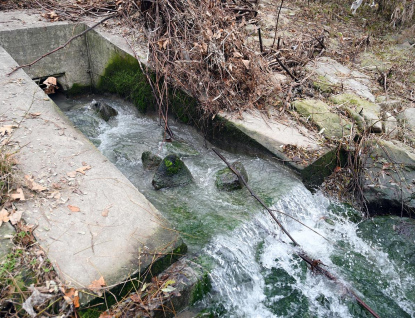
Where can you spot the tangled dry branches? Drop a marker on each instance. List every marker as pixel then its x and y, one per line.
pixel 201 48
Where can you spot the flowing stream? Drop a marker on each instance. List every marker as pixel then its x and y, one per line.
pixel 253 266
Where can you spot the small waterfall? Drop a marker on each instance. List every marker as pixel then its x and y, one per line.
pixel 255 270
pixel 257 274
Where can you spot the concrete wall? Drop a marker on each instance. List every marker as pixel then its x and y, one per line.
pixel 101 52
pixel 26 45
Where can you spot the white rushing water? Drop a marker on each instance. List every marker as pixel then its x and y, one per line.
pixel 255 270
pixel 255 267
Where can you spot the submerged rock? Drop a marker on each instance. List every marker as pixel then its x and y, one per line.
pixel 105 111
pixel 226 180
pixel 181 149
pixel 127 151
pixel 172 172
pixel 150 160
pixel 389 181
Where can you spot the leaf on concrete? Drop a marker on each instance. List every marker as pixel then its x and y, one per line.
pixel 18 195
pixel 74 208
pixel 15 217
pixel 105 212
pixel 96 285
pixel 32 185
pixel 7 130
pixel 71 174
pixel 4 216
pixel 83 169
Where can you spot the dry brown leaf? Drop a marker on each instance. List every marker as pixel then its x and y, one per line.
pixel 15 217
pixel 50 81
pixel 97 284
pixel 32 185
pixel 4 216
pixel 106 315
pixel 83 169
pixel 246 63
pixel 71 297
pixel 19 195
pixel 56 186
pixel 73 208
pixel 105 212
pixel 71 174
pixel 7 130
pixel 136 298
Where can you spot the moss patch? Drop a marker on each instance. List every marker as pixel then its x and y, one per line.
pixel 201 288
pixel 320 114
pixel 123 76
pixel 323 85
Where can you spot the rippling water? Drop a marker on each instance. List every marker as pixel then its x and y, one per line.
pixel 254 268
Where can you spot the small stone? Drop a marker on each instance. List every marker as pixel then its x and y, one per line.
pixel 105 111
pixel 150 160
pixel 226 180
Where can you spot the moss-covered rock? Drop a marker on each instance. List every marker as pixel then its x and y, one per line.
pixel 226 180
pixel 150 160
pixel 172 172
pixel 323 85
pixel 368 110
pixel 320 114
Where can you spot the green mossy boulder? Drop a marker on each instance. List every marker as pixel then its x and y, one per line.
pixel 226 180
pixel 172 172
pixel 368 110
pixel 320 114
pixel 150 160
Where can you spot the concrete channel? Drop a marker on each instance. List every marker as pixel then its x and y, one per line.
pixel 91 221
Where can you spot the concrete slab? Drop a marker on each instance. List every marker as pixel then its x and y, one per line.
pixel 274 134
pixel 93 222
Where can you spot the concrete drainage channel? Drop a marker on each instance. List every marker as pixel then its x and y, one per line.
pixel 92 222
pixel 95 223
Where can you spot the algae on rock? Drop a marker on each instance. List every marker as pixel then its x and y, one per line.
pixel 368 110
pixel 228 181
pixel 172 172
pixel 320 114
